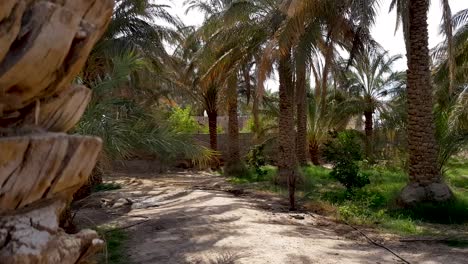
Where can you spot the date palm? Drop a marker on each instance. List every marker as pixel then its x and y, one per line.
pixel 132 29
pixel 369 80
pixel 451 104
pixel 426 183
pixel 233 33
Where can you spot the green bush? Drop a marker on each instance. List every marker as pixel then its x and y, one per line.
pixel 256 159
pixel 344 151
pixel 182 121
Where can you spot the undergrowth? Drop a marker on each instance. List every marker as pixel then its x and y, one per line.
pixel 114 249
pixel 374 205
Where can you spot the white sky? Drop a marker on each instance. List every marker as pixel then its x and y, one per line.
pixel 383 31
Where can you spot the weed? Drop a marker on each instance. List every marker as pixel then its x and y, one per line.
pixel 106 187
pixel 114 251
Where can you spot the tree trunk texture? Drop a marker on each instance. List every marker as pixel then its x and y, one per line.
pixel 213 129
pixel 234 165
pixel 314 153
pixel 369 130
pixel 43 46
pixel 301 99
pixel 426 183
pixel 256 118
pixel 286 137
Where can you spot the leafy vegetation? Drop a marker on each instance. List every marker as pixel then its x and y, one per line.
pixel 344 151
pixel 339 99
pixel 374 204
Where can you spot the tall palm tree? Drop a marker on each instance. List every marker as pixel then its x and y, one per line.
pixel 403 16
pixel 369 80
pixel 286 138
pixel 301 110
pixel 426 181
pixel 233 33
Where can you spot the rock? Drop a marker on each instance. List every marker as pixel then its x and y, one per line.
pixel 298 217
pixel 415 193
pixel 439 192
pixel 412 194
pixel 122 202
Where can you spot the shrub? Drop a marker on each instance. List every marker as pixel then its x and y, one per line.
pixel 344 151
pixel 256 160
pixel 182 121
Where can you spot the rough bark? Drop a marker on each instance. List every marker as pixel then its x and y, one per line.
pixel 213 129
pixel 59 113
pixel 234 164
pixel 301 99
pixel 286 136
pixel 43 46
pixel 256 118
pixel 43 166
pixel 314 153
pixel 426 183
pixel 369 130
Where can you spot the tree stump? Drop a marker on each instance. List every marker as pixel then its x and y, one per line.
pixel 43 46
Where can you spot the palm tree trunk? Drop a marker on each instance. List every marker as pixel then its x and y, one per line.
pixel 234 165
pixel 314 153
pixel 301 99
pixel 286 139
pixel 326 69
pixel 369 129
pixel 256 118
pixel 426 183
pixel 213 127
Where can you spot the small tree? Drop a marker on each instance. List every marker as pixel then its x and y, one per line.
pixel 344 150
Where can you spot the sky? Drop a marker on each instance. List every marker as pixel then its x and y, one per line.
pixel 383 31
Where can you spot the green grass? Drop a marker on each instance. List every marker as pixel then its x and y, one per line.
pixel 374 205
pixel 251 177
pixel 106 187
pixel 114 252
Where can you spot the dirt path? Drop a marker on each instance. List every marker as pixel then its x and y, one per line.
pixel 198 218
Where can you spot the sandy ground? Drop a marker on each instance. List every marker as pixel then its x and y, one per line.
pixel 188 217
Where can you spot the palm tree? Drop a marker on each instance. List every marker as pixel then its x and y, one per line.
pixel 125 125
pixel 286 138
pixel 451 94
pixel 234 165
pixel 132 30
pixel 301 110
pixel 232 37
pixel 369 80
pixel 426 181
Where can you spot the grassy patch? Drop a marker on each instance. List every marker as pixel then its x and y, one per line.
pixel 374 205
pixel 251 177
pixel 114 252
pixel 106 187
pixel 457 173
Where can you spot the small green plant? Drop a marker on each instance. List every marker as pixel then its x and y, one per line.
pixel 343 150
pixel 256 159
pixel 101 187
pixel 114 252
